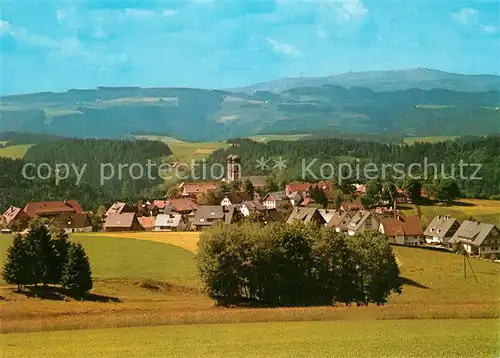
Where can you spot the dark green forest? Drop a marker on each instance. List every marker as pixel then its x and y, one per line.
pixel 15 189
pixel 334 151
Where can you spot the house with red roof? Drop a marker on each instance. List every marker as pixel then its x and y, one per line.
pixel 50 209
pixel 401 230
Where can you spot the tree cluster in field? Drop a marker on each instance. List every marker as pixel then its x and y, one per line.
pixel 295 265
pixel 46 258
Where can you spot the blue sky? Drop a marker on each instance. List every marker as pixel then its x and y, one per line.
pixel 54 46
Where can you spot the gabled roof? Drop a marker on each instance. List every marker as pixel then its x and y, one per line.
pixel 276 196
pixel 147 221
pixel 300 187
pixel 304 214
pixel 116 208
pixel 71 221
pixel 160 204
pixel 408 225
pixel 358 219
pixel 11 214
pixel 352 205
pixel 52 207
pixel 124 220
pixel 238 197
pixel 168 220
pixel 439 226
pixel 473 232
pixel 327 214
pixel 258 181
pixel 254 205
pixel 183 204
pixel 208 214
pixel 338 216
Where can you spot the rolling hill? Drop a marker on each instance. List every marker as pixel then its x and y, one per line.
pixel 415 102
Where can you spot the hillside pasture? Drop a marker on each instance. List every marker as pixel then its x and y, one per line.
pixel 15 151
pixel 144 279
pixel 410 338
pixel 481 210
pixel 186 151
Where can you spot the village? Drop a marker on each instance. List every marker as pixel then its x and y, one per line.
pixel 291 204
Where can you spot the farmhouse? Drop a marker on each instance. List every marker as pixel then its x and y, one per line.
pixel 235 198
pixel 441 229
pixel 193 189
pixel 17 215
pixel 339 220
pixel 122 222
pixel 181 206
pixel 50 209
pixel 306 215
pixel 120 208
pixel 208 215
pixel 355 205
pixel 248 207
pixel 169 222
pixel 361 221
pixel 275 200
pixel 72 222
pixel 147 222
pixel 477 238
pixel 327 214
pixel 402 230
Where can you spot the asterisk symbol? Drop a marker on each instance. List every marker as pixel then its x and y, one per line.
pixel 279 164
pixel 262 163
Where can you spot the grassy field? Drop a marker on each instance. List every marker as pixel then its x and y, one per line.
pixel 147 301
pixel 481 210
pixel 113 257
pixel 186 151
pixel 448 338
pixel 15 151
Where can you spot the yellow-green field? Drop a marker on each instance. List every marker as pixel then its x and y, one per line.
pixel 148 282
pixel 481 210
pixel 15 151
pixel 186 151
pixel 417 338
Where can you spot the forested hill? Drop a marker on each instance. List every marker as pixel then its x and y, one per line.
pixel 205 115
pixel 87 162
pixel 333 152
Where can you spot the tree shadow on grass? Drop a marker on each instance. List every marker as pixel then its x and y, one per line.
pixel 55 293
pixel 409 282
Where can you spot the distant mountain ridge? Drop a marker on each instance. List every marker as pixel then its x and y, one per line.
pixel 364 103
pixel 421 78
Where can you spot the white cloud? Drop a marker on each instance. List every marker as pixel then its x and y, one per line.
pixel 322 34
pixel 490 29
pixel 353 9
pixel 283 48
pixel 140 14
pixel 23 35
pixel 168 12
pixel 466 16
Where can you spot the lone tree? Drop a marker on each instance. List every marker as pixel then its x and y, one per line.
pixel 17 270
pixel 249 188
pixel 77 275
